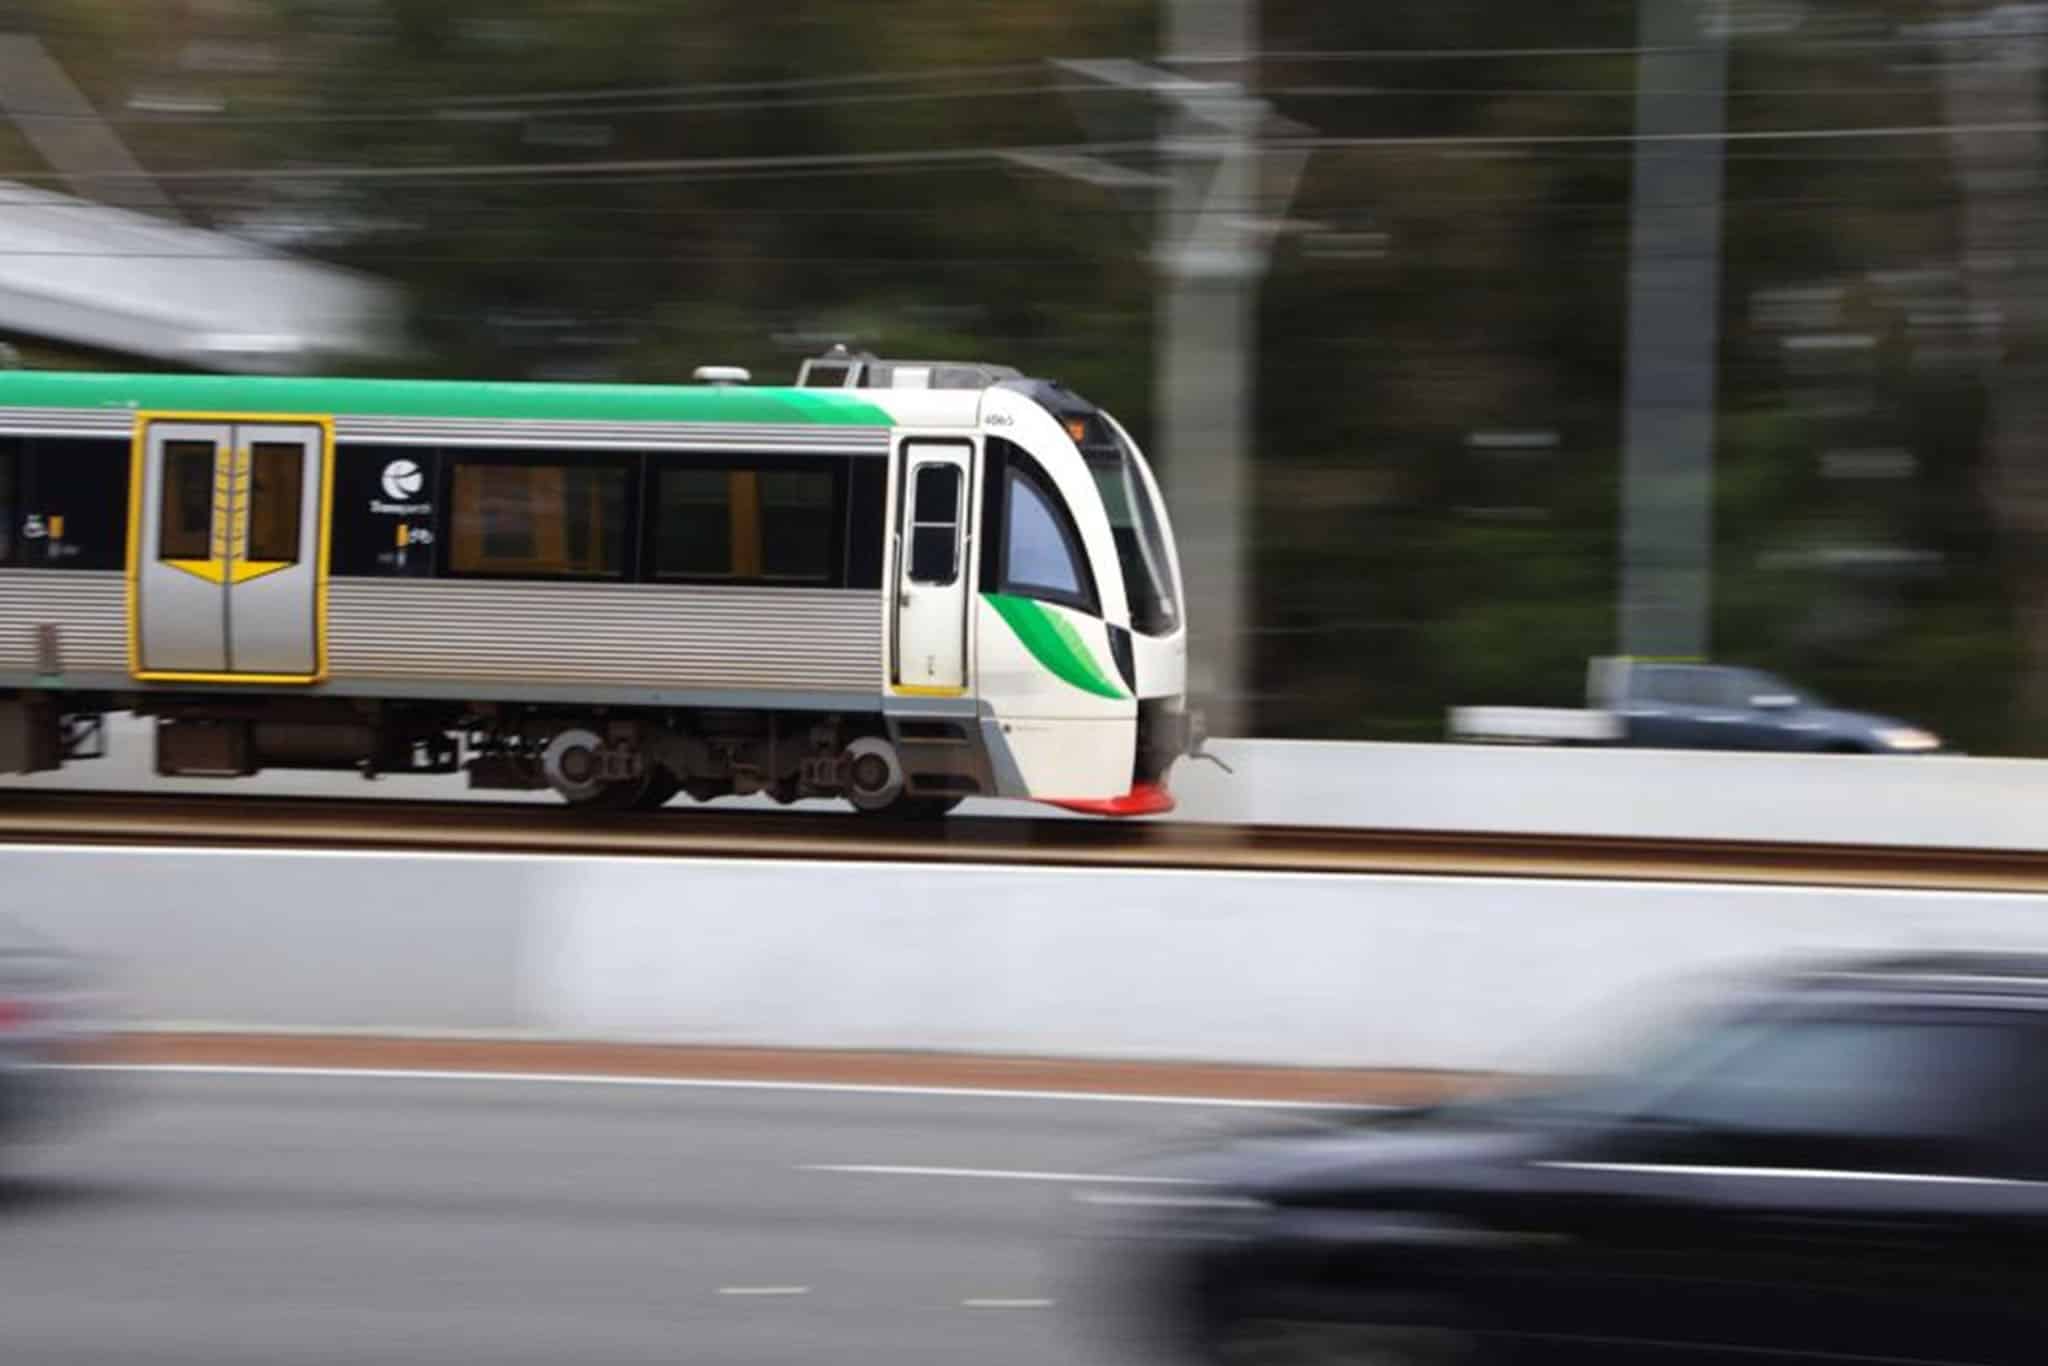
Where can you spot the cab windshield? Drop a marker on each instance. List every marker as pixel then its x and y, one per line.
pixel 1140 541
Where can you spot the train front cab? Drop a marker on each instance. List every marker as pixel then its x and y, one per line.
pixel 1063 531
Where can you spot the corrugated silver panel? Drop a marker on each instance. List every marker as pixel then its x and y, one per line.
pixel 644 635
pixel 89 608
pixel 638 435
pixel 67 421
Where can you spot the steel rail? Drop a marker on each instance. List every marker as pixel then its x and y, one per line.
pixel 70 818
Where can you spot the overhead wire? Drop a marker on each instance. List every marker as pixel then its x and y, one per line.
pixel 942 158
pixel 487 116
pixel 484 103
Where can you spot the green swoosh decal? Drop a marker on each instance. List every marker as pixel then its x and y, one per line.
pixel 1055 643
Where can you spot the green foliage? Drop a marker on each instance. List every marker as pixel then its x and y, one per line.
pixel 1439 292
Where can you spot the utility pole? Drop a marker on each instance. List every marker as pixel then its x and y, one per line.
pixel 1219 198
pixel 1673 329
pixel 1991 60
pixel 1206 340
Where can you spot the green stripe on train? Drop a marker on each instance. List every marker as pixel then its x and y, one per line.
pixel 431 398
pixel 1055 643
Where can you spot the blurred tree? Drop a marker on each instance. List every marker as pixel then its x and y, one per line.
pixel 1441 336
pixel 1993 58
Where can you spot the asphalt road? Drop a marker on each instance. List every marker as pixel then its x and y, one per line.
pixel 289 1220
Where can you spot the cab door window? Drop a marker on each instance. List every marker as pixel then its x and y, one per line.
pixel 935 524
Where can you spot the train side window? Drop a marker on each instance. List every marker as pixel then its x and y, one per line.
pixel 798 513
pixel 693 523
pixel 769 524
pixel 64 501
pixel 538 520
pixel 185 527
pixel 1041 554
pixel 277 471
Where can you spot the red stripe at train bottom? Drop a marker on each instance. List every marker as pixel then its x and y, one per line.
pixel 1145 799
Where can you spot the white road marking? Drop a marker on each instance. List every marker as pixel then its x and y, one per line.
pixel 993 1174
pixel 1006 1304
pixel 764 1290
pixel 692 1083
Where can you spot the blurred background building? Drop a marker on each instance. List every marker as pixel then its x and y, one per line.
pixel 1439 344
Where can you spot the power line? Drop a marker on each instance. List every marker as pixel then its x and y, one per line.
pixel 486 115
pixel 1880 131
pixel 690 98
pixel 949 158
pixel 452 258
pixel 507 115
pixel 745 87
pixel 1564 92
pixel 1444 54
pixel 691 93
pixel 933 158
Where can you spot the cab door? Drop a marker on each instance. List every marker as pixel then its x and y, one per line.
pixel 228 550
pixel 934 560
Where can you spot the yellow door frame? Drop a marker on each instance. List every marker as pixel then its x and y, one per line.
pixel 229 563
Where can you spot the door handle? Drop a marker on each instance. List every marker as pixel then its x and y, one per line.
pixel 903 598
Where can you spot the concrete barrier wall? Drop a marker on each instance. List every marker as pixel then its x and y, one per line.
pixel 1931 801
pixel 1293 969
pixel 1927 801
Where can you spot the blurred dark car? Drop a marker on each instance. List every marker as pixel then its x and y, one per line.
pixel 1849 1165
pixel 1647 705
pixel 1704 706
pixel 52 1012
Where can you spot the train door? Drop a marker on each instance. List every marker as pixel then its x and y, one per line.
pixel 226 554
pixel 933 562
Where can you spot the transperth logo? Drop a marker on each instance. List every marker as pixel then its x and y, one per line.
pixel 403 480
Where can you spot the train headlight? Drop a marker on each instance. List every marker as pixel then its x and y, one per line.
pixel 1908 738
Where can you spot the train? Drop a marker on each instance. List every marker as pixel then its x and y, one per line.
pixel 897 583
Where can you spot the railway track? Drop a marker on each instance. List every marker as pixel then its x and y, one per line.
pixel 68 818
